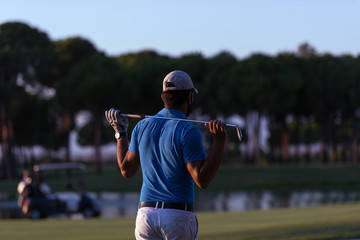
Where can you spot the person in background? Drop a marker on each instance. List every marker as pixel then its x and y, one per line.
pixel 25 181
pixel 24 187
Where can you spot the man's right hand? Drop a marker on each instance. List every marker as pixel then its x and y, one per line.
pixel 203 171
pixel 217 129
pixel 120 124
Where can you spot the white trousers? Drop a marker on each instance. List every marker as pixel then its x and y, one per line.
pixel 165 224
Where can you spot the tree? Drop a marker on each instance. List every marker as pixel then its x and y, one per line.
pixel 349 88
pixel 305 50
pixel 214 97
pixel 97 85
pixel 27 58
pixel 284 86
pixel 194 64
pixel 325 94
pixel 71 52
pixel 34 120
pixel 143 75
pixel 243 93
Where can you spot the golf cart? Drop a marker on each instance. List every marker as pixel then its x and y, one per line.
pixel 38 201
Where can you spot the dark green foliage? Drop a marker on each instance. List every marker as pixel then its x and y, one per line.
pixel 27 60
pixel 307 98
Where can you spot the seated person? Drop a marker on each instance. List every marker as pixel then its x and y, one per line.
pixel 26 180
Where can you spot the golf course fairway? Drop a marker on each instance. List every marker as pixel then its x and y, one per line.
pixel 322 222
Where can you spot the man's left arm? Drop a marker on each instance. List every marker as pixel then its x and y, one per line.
pixel 128 161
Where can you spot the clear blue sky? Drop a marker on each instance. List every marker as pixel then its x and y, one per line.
pixel 176 27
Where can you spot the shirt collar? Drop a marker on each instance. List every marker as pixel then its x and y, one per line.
pixel 172 113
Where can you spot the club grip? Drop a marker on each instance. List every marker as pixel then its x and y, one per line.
pixel 132 115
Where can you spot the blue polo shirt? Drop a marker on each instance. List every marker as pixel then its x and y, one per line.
pixel 164 147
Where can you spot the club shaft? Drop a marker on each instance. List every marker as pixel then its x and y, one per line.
pixel 239 133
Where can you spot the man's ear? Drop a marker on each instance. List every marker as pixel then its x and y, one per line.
pixel 163 99
pixel 191 98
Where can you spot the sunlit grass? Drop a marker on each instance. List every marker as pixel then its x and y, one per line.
pixel 326 222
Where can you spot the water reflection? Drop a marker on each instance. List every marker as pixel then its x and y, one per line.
pixel 264 200
pixel 118 204
pixel 115 204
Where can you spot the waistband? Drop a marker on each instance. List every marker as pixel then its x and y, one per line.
pixel 161 205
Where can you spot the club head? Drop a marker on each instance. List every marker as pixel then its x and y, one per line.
pixel 238 130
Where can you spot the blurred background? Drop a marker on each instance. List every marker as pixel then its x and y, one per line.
pixel 287 72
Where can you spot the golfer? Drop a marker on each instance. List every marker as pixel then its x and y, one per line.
pixel 172 158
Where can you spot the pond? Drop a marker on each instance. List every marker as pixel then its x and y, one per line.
pixel 115 204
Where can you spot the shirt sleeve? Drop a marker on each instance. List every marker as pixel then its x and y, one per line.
pixel 134 144
pixel 193 146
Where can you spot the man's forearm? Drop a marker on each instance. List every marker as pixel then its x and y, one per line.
pixel 122 148
pixel 210 167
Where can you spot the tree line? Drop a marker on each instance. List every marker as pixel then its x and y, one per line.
pixel 309 100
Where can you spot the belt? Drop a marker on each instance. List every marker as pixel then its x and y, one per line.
pixel 179 206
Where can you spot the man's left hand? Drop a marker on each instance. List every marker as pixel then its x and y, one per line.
pixel 120 124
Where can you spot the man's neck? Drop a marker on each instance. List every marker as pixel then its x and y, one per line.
pixel 182 108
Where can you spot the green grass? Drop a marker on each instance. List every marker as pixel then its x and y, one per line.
pixel 329 222
pixel 326 222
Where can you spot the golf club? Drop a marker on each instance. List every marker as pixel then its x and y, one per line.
pixel 239 133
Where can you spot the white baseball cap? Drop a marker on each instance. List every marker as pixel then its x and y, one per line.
pixel 178 80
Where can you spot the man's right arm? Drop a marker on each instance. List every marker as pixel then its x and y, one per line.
pixel 204 171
